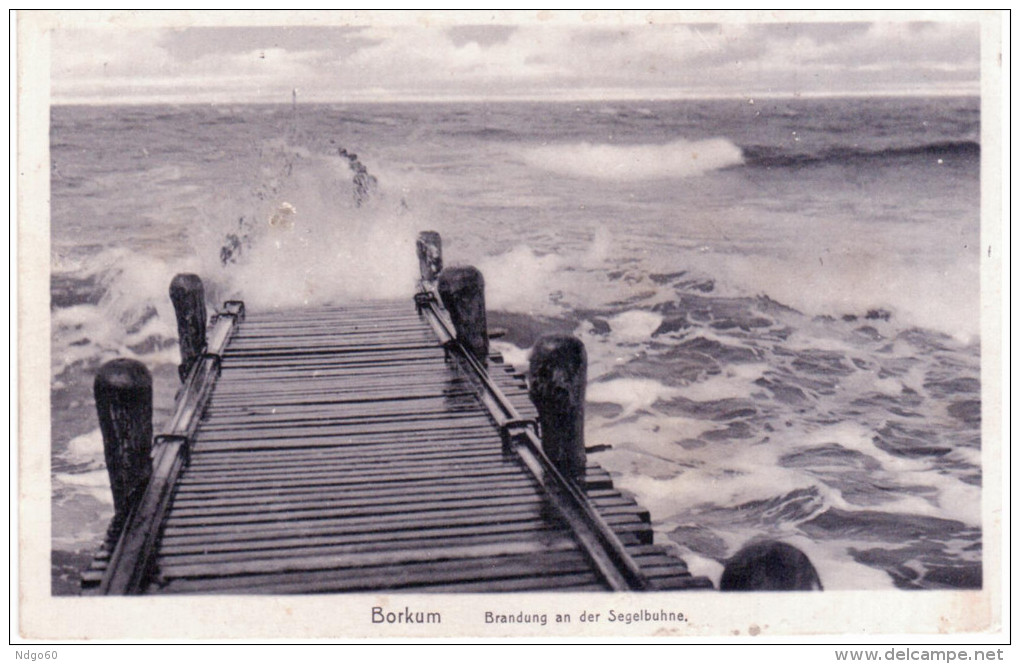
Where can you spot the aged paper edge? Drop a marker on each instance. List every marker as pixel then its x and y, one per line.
pixel 847 616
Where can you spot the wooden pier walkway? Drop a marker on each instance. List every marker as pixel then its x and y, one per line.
pixel 365 448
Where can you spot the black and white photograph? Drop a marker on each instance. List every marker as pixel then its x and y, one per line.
pixel 479 306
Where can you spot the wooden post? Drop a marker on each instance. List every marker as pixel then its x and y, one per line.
pixel 557 378
pixel 770 566
pixel 188 296
pixel 462 290
pixel 123 393
pixel 430 255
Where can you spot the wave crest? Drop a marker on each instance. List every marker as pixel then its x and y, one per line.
pixel 766 156
pixel 679 159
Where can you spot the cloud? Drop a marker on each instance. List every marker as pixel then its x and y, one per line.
pixel 194 43
pixel 418 60
pixel 484 35
pixel 108 52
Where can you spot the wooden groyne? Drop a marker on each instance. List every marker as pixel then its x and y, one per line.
pixel 377 446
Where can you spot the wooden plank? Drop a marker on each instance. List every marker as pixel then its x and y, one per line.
pixel 394 476
pixel 343 400
pixel 581 582
pixel 382 471
pixel 466 485
pixel 662 563
pixel 354 506
pixel 640 531
pixel 336 395
pixel 391 577
pixel 309 335
pixel 291 331
pixel 682 583
pixel 313 353
pixel 384 324
pixel 368 319
pixel 252 386
pixel 333 561
pixel 640 513
pixel 388 355
pixel 509 484
pixel 651 549
pixel 358 507
pixel 574 583
pixel 299 320
pixel 341 365
pixel 380 464
pixel 310 345
pixel 269 549
pixel 464 428
pixel 308 389
pixel 436 426
pixel 435 536
pixel 480 453
pixel 432 363
pixel 341 454
pixel 350 440
pixel 379 323
pixel 324 415
pixel 341 457
pixel 340 525
pixel 372 409
pixel 351 416
pixel 376 515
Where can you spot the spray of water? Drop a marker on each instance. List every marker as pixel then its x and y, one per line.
pixel 317 228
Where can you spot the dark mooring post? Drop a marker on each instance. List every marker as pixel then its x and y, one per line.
pixel 557 378
pixel 430 255
pixel 462 290
pixel 188 296
pixel 123 392
pixel 770 565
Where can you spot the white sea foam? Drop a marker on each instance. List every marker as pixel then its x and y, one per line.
pixel 635 326
pixel 310 244
pixel 678 159
pixel 521 280
pixel 631 393
pixel 940 296
pixel 736 382
pixel 86 447
pixel 133 309
pixel 512 355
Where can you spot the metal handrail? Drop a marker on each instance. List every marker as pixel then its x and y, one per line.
pixel 134 553
pixel 596 538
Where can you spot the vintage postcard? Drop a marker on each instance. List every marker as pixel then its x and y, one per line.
pixel 344 325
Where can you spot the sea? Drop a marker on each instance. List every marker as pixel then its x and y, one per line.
pixel 779 297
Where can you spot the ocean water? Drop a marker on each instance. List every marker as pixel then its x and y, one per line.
pixel 779 297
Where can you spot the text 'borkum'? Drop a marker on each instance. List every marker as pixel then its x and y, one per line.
pixel 406 616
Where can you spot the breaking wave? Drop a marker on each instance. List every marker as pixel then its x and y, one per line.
pixel 679 159
pixel 764 156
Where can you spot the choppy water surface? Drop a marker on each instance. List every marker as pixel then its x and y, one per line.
pixel 779 298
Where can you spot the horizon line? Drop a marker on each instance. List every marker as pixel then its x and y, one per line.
pixel 475 99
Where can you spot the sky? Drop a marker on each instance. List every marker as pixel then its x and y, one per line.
pixel 479 57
